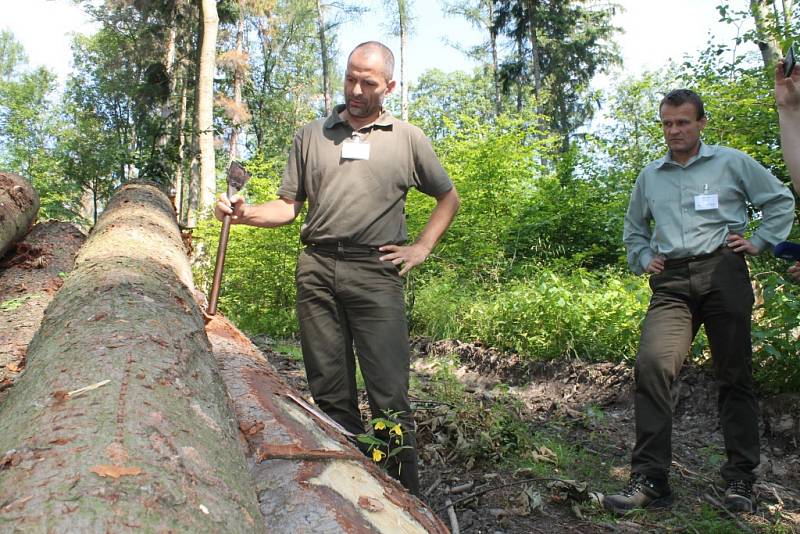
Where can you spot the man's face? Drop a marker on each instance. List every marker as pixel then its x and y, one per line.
pixel 681 127
pixel 365 84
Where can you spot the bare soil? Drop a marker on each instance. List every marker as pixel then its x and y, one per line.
pixel 588 407
pixel 30 274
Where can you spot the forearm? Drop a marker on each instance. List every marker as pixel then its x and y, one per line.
pixel 269 214
pixel 440 219
pixel 790 142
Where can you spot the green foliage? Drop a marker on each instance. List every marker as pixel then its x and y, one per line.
pixel 441 99
pixel 258 287
pixel 776 330
pixel 29 129
pixel 545 315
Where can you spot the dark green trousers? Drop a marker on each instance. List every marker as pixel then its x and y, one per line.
pixel 715 292
pixel 351 299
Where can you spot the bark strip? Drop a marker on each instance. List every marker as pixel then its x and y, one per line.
pixel 153 450
pixel 309 478
pixel 19 205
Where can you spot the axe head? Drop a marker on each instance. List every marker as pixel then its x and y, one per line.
pixel 237 177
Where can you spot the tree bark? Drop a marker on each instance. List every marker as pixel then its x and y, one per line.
pixel 19 205
pixel 309 477
pixel 323 50
pixel 402 18
pixel 765 39
pixel 154 448
pixel 203 166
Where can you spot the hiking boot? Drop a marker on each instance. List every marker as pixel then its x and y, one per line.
pixel 739 496
pixel 642 492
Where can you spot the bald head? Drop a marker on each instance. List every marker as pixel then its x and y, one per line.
pixel 374 47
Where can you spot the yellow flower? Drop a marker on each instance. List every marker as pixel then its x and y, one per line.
pixel 377 455
pixel 380 425
pixel 397 430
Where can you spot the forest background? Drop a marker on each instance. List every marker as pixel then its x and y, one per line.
pixel 543 159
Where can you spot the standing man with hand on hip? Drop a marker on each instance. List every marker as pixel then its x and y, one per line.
pixel 685 226
pixel 354 169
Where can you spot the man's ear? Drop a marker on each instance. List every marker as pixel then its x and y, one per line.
pixel 390 87
pixel 703 122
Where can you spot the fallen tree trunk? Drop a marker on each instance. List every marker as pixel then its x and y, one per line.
pixel 121 420
pixel 19 205
pixel 309 478
pixel 28 281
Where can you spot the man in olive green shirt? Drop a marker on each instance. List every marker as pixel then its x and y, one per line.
pixel 354 170
pixel 685 226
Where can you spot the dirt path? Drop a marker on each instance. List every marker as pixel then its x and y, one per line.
pixel 581 416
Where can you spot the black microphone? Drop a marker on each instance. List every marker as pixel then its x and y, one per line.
pixel 787 250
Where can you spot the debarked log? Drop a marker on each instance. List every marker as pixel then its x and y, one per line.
pixel 19 205
pixel 121 421
pixel 309 477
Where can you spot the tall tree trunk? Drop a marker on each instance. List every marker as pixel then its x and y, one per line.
pixel 535 51
pixel 204 103
pixel 180 186
pixel 323 51
pixel 19 205
pixel 152 447
pixel 310 478
pixel 498 104
pixel 238 79
pixel 765 38
pixel 402 17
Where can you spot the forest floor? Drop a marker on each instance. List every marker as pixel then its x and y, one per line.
pixel 527 448
pixel 517 447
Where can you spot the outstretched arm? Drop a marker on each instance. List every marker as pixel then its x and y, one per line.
pixel 787 96
pixel 440 219
pixel 267 215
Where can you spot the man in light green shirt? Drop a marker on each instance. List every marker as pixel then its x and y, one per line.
pixel 685 226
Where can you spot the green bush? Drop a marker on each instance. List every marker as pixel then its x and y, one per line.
pixel 258 287
pixel 548 314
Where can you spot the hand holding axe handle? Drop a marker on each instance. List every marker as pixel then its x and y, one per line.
pixel 237 177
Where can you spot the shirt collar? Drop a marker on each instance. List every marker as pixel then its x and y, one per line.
pixel 385 120
pixel 705 152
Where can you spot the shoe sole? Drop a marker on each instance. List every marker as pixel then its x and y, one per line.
pixel 656 504
pixel 739 505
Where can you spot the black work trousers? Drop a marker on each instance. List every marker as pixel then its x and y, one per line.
pixel 715 292
pixel 346 299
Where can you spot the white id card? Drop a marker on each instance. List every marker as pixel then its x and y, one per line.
pixel 706 202
pixel 355 150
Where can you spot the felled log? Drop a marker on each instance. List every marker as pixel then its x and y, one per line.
pixel 19 205
pixel 309 477
pixel 28 281
pixel 121 421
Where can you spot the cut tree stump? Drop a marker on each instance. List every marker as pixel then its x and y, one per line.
pixel 29 279
pixel 19 205
pixel 309 477
pixel 121 421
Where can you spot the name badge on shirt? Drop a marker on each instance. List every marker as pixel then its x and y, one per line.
pixel 706 202
pixel 355 149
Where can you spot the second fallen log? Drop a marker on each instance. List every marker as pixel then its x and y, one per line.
pixel 19 205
